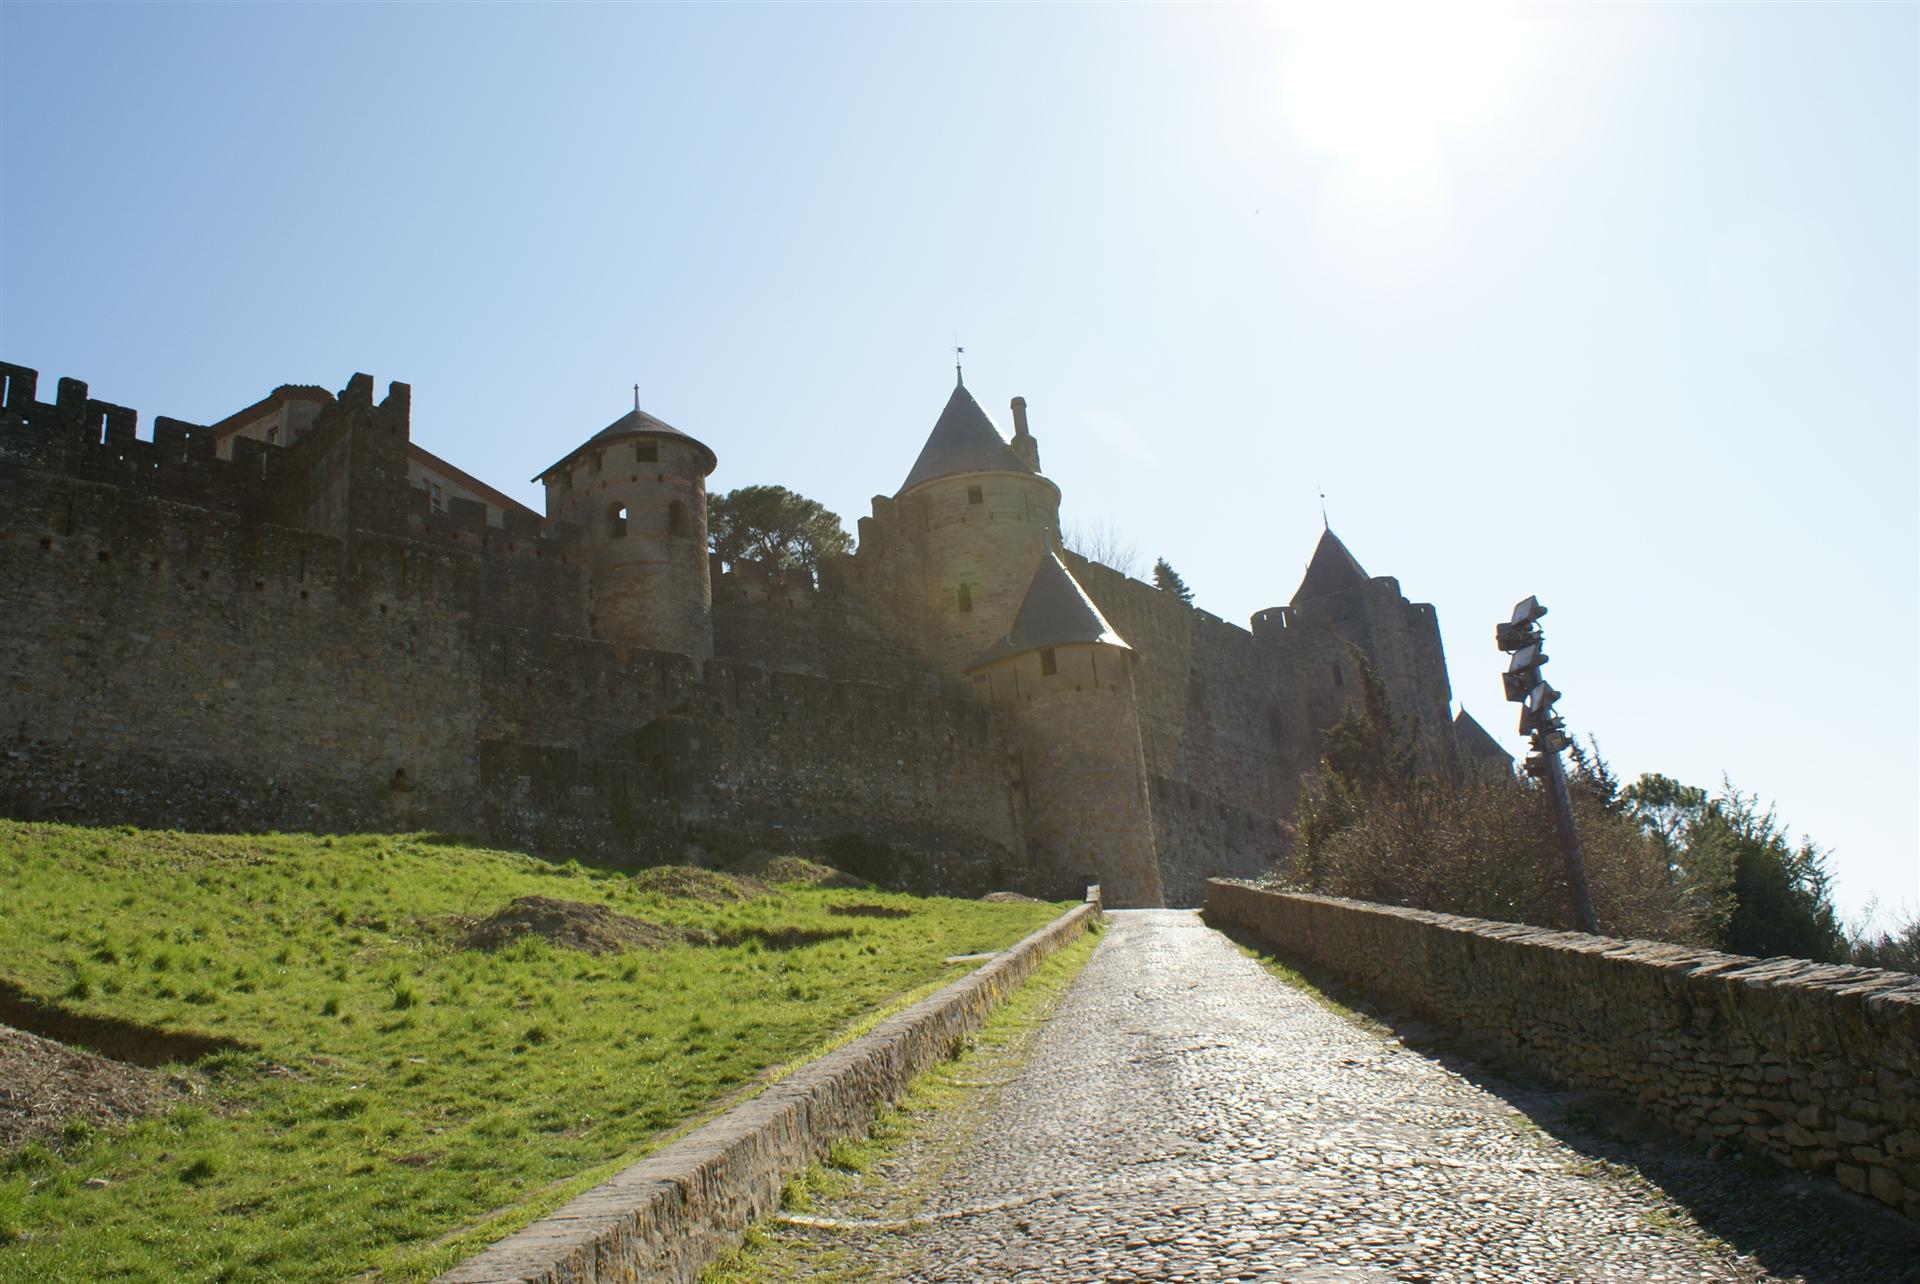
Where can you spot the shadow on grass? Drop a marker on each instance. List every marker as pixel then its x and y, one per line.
pixel 128 1041
pixel 1797 1225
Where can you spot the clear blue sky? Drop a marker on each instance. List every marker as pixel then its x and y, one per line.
pixel 1617 305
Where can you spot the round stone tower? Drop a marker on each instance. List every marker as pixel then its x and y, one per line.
pixel 1064 680
pixel 982 516
pixel 638 487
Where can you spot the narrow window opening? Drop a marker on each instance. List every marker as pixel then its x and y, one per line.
pixel 594 461
pixel 617 522
pixel 965 598
pixel 1338 680
pixel 975 495
pixel 1049 665
pixel 676 518
pixel 646 452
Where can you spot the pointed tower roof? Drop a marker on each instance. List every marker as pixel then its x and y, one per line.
pixel 635 423
pixel 1474 740
pixel 1332 569
pixel 1056 611
pixel 963 440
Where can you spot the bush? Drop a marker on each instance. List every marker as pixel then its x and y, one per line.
pixel 1478 841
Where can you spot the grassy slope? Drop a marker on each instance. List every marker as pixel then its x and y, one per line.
pixel 430 1086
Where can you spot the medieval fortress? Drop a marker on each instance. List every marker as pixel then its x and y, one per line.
pixel 298 619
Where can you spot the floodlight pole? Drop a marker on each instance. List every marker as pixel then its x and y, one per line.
pixel 1523 637
pixel 1576 861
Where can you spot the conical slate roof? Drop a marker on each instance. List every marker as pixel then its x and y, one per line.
pixel 1332 569
pixel 635 423
pixel 964 440
pixel 1056 611
pixel 1474 740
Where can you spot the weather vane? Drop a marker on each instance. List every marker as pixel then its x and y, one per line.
pixel 1325 524
pixel 958 351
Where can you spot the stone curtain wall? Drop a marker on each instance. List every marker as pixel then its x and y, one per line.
pixel 1222 760
pixel 179 652
pixel 1813 1064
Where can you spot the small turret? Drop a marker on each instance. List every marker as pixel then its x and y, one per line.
pixel 638 487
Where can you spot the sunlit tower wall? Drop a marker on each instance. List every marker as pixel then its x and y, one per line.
pixel 982 516
pixel 638 487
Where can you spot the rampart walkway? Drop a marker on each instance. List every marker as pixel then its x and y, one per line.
pixel 1186 1116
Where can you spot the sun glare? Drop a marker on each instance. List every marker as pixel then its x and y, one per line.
pixel 1382 89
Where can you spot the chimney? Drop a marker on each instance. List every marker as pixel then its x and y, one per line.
pixel 1023 443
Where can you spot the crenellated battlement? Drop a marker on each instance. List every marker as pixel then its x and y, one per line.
pixel 347 473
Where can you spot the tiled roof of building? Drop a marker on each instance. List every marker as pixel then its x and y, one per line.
pixel 963 440
pixel 432 463
pixel 1057 611
pixel 268 404
pixel 1332 570
pixel 635 423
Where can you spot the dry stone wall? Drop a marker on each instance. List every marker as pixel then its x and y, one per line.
pixel 1815 1065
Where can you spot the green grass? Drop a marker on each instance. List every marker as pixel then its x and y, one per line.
pixel 403 1090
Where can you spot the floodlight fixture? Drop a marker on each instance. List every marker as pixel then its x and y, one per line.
pixel 1538 713
pixel 1527 657
pixel 1527 611
pixel 1511 637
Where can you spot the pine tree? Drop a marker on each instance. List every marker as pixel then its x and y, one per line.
pixel 1168 580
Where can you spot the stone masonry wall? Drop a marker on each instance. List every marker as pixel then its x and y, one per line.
pixel 1081 779
pixel 1222 761
pixel 1814 1064
pixel 175 655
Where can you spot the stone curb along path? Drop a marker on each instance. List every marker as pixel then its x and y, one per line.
pixel 669 1214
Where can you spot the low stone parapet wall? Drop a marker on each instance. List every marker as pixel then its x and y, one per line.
pixel 665 1217
pixel 1814 1064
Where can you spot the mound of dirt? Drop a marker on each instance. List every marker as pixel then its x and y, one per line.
pixel 691 883
pixel 769 868
pixel 44 1084
pixel 571 925
pixel 1010 898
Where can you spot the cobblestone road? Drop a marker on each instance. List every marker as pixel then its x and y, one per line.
pixel 1184 1115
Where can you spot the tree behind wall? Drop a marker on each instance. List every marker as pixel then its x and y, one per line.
pixel 1780 898
pixel 775 527
pixel 1168 580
